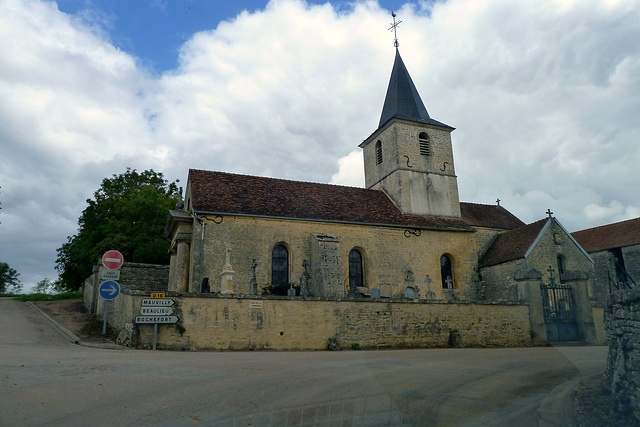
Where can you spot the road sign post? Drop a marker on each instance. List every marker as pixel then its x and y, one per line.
pixel 108 290
pixel 156 311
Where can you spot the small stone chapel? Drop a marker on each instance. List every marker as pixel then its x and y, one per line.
pixel 405 236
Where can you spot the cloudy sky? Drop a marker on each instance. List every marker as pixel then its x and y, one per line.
pixel 544 96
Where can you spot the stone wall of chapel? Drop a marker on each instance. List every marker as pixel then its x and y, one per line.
pixel 546 252
pixel 388 255
pixel 498 283
pixel 499 279
pixel 484 237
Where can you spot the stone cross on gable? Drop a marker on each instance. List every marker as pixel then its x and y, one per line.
pixel 551 278
pixel 549 212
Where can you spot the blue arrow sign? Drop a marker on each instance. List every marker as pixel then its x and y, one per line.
pixel 109 289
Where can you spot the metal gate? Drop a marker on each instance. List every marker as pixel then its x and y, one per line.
pixel 559 312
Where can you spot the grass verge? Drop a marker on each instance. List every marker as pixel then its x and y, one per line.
pixel 46 297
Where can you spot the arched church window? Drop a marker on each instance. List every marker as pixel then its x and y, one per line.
pixel 425 144
pixel 356 275
pixel 378 152
pixel 279 265
pixel 446 271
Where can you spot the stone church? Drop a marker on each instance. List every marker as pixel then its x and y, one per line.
pixel 406 236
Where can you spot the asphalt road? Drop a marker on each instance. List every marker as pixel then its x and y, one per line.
pixel 45 380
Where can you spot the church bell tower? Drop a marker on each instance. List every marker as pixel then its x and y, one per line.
pixel 410 156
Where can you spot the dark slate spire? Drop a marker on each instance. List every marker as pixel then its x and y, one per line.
pixel 402 100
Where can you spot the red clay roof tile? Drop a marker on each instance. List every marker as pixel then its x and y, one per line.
pixel 511 245
pixel 222 192
pixel 619 234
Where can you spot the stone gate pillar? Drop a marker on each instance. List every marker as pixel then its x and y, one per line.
pixel 181 268
pixel 528 282
pixel 178 230
pixel 584 309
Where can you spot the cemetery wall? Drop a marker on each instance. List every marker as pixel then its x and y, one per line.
pixel 278 323
pixel 145 277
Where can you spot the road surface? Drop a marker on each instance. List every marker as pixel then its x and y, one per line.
pixel 45 380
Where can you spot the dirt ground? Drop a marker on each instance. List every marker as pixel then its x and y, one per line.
pixel 590 404
pixel 73 315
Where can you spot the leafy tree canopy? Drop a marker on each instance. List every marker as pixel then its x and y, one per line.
pixel 9 278
pixel 127 213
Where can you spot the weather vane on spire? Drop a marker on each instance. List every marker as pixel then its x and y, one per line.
pixel 393 27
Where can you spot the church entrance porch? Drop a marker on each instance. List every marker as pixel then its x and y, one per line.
pixel 559 312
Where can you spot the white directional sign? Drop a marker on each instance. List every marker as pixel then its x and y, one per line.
pixel 110 274
pixel 157 319
pixel 157 302
pixel 164 311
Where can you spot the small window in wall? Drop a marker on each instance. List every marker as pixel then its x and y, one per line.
pixel 279 265
pixel 378 152
pixel 425 144
pixel 446 271
pixel 356 276
pixel 618 261
pixel 561 266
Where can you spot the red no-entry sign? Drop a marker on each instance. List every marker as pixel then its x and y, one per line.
pixel 113 260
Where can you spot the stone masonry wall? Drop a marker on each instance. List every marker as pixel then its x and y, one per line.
pixel 388 253
pixel 273 323
pixel 622 322
pixel 145 277
pixel 603 269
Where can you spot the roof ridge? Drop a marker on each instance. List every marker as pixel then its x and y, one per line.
pixel 281 179
pixel 607 225
pixel 483 204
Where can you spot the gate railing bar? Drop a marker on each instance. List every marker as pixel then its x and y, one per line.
pixel 558 304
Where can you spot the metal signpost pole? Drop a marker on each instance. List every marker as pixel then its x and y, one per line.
pixel 112 260
pixel 155 335
pixel 108 290
pixel 156 310
pixel 106 317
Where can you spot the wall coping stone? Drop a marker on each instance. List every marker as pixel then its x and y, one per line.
pixel 172 294
pixel 623 296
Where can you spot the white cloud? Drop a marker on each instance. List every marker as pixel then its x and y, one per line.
pixel 350 170
pixel 544 96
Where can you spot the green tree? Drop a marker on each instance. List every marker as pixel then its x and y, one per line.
pixel 127 213
pixel 9 278
pixel 43 286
